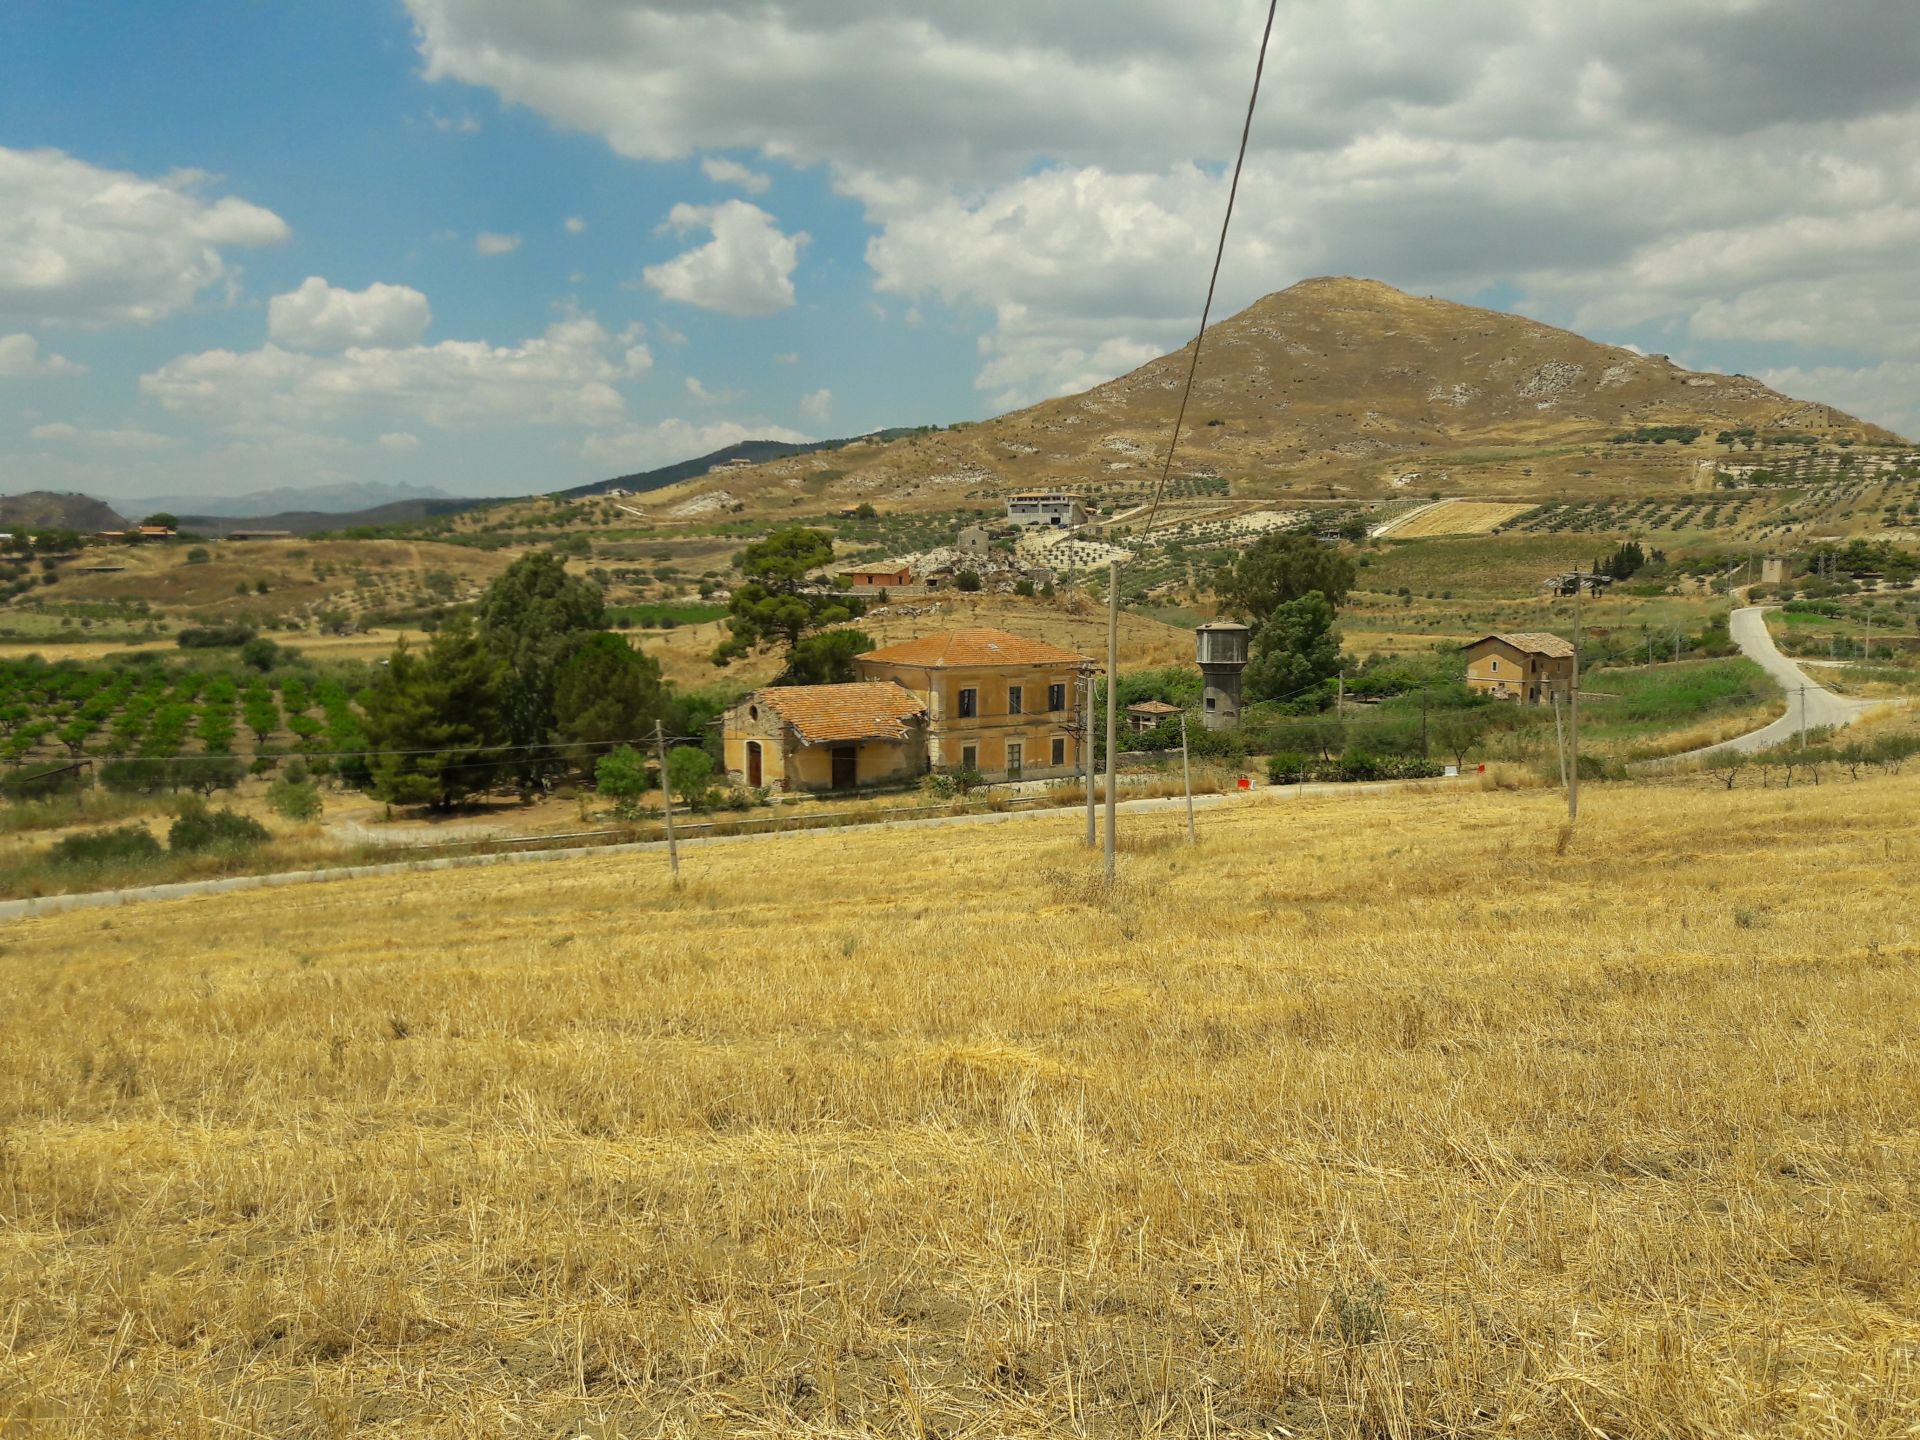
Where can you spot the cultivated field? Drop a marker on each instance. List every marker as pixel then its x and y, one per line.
pixel 1386 1115
pixel 1458 517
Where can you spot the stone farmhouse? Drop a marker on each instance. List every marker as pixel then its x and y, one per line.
pixel 1528 667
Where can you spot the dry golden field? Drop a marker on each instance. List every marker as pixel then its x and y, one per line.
pixel 1459 517
pixel 1385 1115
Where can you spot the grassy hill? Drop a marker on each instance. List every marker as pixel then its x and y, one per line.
pixel 43 509
pixel 1334 387
pixel 1311 1130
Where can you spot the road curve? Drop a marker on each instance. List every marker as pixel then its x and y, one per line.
pixel 1810 705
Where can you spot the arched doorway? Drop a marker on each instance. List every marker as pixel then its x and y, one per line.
pixel 753 764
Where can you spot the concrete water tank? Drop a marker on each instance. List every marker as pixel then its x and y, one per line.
pixel 1221 649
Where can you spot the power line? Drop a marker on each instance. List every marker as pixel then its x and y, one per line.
pixel 1233 190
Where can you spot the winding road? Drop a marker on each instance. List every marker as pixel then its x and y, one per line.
pixel 1810 705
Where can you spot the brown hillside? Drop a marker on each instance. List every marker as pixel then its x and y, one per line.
pixel 44 509
pixel 1334 385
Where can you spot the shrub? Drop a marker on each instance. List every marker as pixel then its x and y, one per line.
pixel 124 845
pixel 294 800
pixel 198 555
pixel 1286 768
pixel 135 777
pixel 201 829
pixel 213 637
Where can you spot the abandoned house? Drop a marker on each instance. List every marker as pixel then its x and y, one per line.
pixel 1147 714
pixel 825 737
pixel 1530 667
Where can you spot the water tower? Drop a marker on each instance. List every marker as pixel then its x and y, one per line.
pixel 1222 656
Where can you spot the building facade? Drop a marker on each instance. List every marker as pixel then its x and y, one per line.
pixel 825 737
pixel 878 577
pixel 1058 508
pixel 1530 668
pixel 1000 704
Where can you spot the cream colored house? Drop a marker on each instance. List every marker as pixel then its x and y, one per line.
pixel 825 737
pixel 1004 705
pixel 1530 667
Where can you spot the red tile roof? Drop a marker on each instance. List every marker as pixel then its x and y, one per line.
pixel 973 647
pixel 1533 642
pixel 827 713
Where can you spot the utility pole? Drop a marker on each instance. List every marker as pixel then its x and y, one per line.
pixel 1573 716
pixel 1086 760
pixel 666 800
pixel 1340 698
pixel 1803 717
pixel 1559 739
pixel 1186 778
pixel 1425 753
pixel 1113 696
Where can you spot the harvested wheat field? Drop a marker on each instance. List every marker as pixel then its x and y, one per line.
pixel 1375 1115
pixel 1458 517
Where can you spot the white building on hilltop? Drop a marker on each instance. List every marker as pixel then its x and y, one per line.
pixel 1059 508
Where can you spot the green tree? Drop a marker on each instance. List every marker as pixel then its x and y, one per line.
pixel 776 603
pixel 438 719
pixel 622 776
pixel 606 691
pixel 1295 650
pixel 825 659
pixel 163 519
pixel 1277 569
pixel 294 800
pixel 530 620
pixel 689 771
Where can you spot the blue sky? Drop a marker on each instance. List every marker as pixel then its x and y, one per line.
pixel 813 220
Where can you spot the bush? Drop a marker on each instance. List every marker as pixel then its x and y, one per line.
pixel 201 829
pixel 135 777
pixel 1286 768
pixel 125 845
pixel 294 800
pixel 213 637
pixel 198 555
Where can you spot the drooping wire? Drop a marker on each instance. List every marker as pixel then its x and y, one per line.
pixel 1233 190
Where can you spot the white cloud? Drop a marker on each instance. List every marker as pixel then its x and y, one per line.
pixel 746 269
pixel 786 357
pixel 565 377
pixel 82 245
pixel 670 335
pixel 723 171
pixel 699 391
pixel 318 316
pixel 400 442
pixel 488 243
pixel 576 225
pixel 121 439
pixel 645 447
pixel 1744 172
pixel 1888 393
pixel 21 359
pixel 817 406
pixel 461 124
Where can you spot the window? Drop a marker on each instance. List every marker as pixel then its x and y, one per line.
pixel 969 703
pixel 1014 696
pixel 1496 666
pixel 1059 756
pixel 969 757
pixel 1210 700
pixel 1056 698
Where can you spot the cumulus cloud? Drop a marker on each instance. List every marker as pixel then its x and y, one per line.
pixel 129 438
pixel 318 316
pixel 83 245
pixel 817 406
pixel 400 442
pixel 1703 166
pixel 565 377
pixel 22 359
pixel 646 446
pixel 576 225
pixel 489 244
pixel 745 269
pixel 723 171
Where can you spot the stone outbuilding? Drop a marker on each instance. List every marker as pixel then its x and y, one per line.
pixel 825 737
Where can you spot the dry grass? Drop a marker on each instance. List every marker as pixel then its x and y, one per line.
pixel 1459 517
pixel 1374 1116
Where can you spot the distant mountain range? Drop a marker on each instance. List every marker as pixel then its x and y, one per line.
pixel 323 499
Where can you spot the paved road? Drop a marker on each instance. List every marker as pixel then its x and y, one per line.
pixel 1810 705
pixel 49 904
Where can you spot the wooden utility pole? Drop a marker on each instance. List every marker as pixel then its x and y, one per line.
pixel 1086 761
pixel 1113 697
pixel 666 799
pixel 1186 778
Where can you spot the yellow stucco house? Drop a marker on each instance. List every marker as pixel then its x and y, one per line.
pixel 825 737
pixel 1004 705
pixel 1530 667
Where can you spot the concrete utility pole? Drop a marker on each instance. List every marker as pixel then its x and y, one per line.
pixel 1113 696
pixel 1186 778
pixel 1559 739
pixel 666 799
pixel 1086 761
pixel 1573 716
